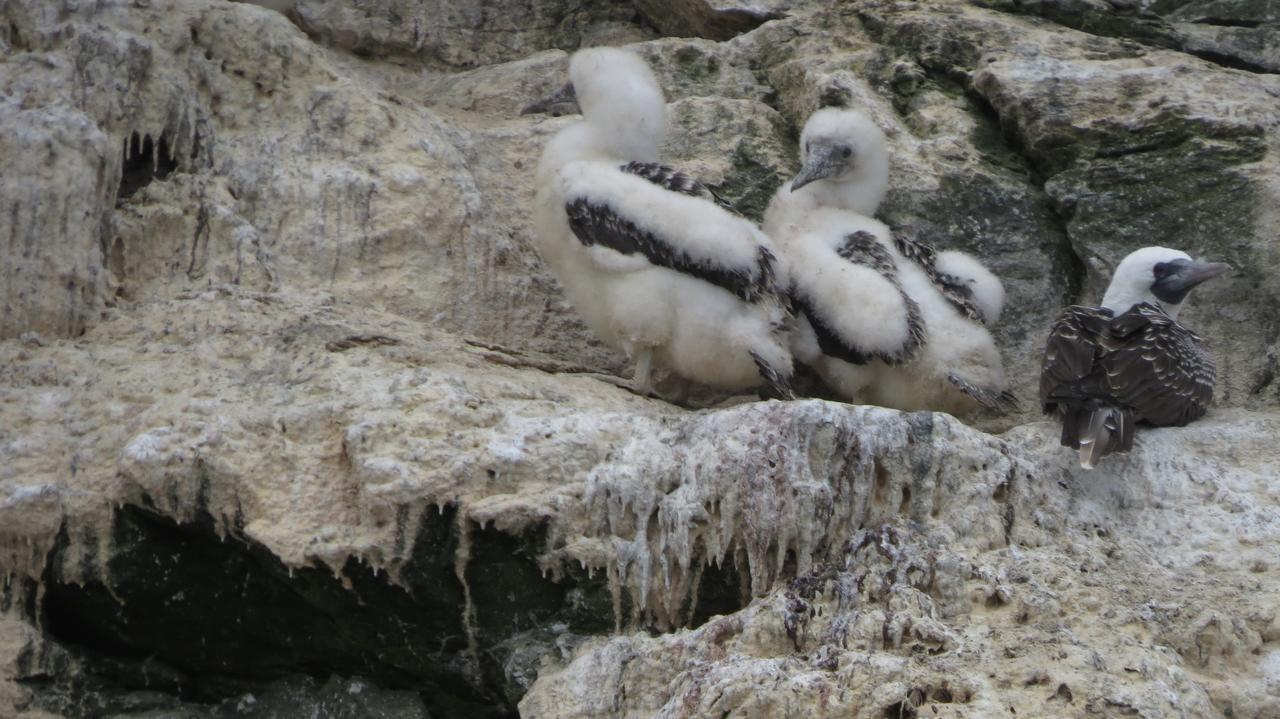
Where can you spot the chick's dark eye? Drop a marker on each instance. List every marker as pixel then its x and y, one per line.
pixel 846 152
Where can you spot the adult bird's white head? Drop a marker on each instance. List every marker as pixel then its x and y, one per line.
pixel 623 109
pixel 844 161
pixel 1159 276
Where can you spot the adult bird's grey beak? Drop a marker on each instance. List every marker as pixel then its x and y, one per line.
pixel 1174 286
pixel 824 161
pixel 563 101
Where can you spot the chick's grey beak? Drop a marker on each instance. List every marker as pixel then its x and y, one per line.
pixel 561 102
pixel 1175 286
pixel 824 161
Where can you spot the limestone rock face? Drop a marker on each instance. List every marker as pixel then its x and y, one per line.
pixel 54 280
pixel 923 614
pixel 291 411
pixel 466 34
pixel 712 19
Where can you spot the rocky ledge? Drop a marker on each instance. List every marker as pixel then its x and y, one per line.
pixel 292 418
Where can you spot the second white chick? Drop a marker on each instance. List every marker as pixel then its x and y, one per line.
pixel 881 318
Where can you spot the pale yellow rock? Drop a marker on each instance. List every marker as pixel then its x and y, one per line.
pixel 318 311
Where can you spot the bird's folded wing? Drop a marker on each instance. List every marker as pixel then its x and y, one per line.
pixel 611 211
pixel 1158 367
pixel 669 178
pixel 1073 348
pixel 852 298
pixel 999 400
pixel 958 294
pixel 955 291
pixel 918 251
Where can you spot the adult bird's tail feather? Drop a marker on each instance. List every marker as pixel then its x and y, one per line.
pixel 1096 430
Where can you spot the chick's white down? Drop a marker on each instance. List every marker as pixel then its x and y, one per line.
pixel 696 329
pixel 844 177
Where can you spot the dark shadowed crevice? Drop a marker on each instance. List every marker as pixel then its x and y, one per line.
pixel 145 160
pixel 1068 263
pixel 720 592
pixel 1005 494
pixel 115 263
pixel 997 132
pixel 13 37
pixel 259 620
pixel 900 710
pixel 1158 144
pixel 202 619
pixel 1227 22
pixel 1007 132
pixel 696 18
pixel 1148 29
pixel 1229 61
pixel 1267 378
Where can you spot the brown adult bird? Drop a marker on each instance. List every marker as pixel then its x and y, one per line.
pixel 1108 368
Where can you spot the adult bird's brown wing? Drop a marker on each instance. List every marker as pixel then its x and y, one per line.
pixel 1158 367
pixel 1074 348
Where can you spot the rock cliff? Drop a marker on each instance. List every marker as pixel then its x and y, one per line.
pixel 293 418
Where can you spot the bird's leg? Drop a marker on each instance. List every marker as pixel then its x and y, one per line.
pixel 641 378
pixel 680 395
pixel 608 379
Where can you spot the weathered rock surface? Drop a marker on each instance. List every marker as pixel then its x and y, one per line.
pixel 465 34
pixel 921 616
pixel 711 19
pixel 290 410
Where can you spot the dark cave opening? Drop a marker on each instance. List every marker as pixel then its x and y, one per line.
pixel 145 161
pixel 204 617
pixel 721 591
pixel 200 619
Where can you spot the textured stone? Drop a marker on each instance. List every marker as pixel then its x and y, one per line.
pixel 54 220
pixel 711 19
pixel 298 177
pixel 1241 35
pixel 463 34
pixel 270 391
pixel 1154 146
pixel 920 617
pixel 1249 48
pixel 270 302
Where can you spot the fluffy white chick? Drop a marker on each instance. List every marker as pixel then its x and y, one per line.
pixel 650 258
pixel 882 318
